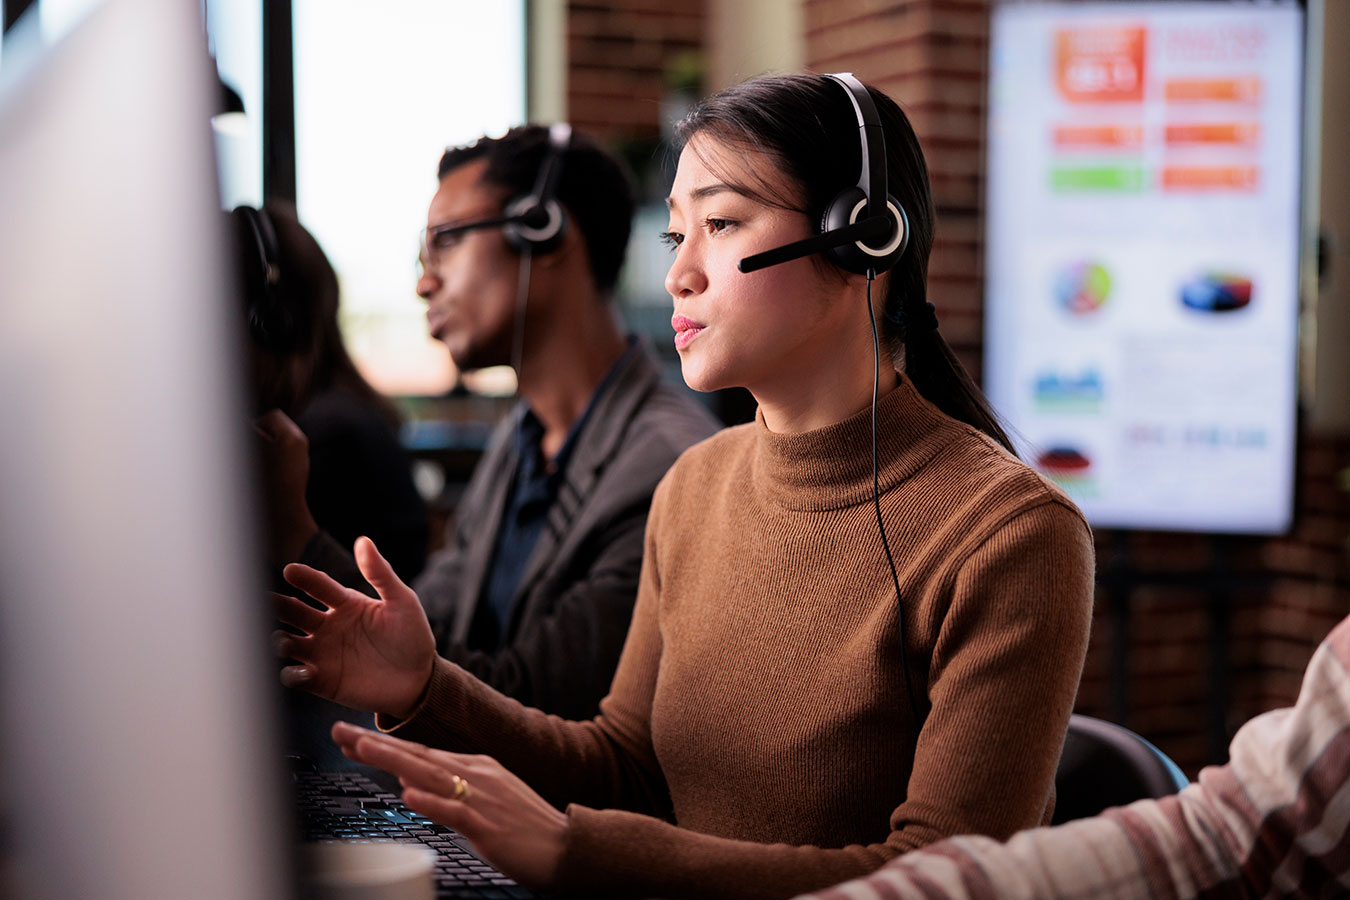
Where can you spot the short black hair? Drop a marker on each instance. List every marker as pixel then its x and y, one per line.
pixel 593 187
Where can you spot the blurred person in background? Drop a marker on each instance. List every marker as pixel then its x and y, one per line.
pixel 355 475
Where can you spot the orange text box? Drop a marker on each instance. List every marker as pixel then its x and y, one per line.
pixel 1111 137
pixel 1242 134
pixel 1095 65
pixel 1213 90
pixel 1210 178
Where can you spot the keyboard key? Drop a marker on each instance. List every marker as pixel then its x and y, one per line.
pixel 349 806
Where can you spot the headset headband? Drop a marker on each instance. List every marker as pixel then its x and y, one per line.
pixel 559 138
pixel 872 176
pixel 265 238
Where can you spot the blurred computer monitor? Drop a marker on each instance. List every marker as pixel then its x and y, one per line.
pixel 137 750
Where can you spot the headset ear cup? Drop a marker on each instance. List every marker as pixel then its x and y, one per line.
pixel 272 314
pixel 522 236
pixel 272 323
pixel 843 211
pixel 839 214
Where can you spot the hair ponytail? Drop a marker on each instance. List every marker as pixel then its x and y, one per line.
pixel 909 318
pixel 938 375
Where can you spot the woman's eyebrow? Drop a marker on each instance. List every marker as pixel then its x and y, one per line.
pixel 708 191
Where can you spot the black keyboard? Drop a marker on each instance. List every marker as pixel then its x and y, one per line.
pixel 350 806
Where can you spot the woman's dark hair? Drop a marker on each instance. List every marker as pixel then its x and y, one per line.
pixel 807 127
pixel 316 358
pixel 593 187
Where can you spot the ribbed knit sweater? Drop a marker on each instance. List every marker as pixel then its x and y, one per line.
pixel 757 741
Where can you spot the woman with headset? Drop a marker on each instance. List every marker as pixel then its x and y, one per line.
pixel 861 621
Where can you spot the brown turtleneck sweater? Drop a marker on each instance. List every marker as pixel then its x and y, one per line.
pixel 757 733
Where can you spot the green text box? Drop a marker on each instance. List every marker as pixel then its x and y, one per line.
pixel 1118 179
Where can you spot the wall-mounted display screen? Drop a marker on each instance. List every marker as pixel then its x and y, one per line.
pixel 1143 225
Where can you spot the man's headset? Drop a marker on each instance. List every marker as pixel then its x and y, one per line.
pixel 534 223
pixel 275 320
pixel 864 228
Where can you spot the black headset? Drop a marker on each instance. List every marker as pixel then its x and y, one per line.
pixel 536 222
pixel 877 240
pixel 533 223
pixel 274 320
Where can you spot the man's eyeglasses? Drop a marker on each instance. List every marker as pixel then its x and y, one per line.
pixel 434 242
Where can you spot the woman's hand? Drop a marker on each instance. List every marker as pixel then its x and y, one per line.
pixel 367 653
pixel 508 824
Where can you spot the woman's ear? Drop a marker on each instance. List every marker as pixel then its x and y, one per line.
pixel 855 285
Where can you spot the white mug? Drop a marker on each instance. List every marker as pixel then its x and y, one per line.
pixel 352 870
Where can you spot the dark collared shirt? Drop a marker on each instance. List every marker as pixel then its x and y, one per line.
pixel 528 501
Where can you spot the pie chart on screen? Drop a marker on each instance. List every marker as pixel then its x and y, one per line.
pixel 1082 288
pixel 1063 462
pixel 1217 292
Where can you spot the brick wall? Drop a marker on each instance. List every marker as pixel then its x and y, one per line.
pixel 618 52
pixel 931 58
pixel 1193 634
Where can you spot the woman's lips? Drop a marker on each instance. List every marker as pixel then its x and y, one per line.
pixel 686 329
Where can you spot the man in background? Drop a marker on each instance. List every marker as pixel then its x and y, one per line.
pixel 535 587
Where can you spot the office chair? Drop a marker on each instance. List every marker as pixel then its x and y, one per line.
pixel 1105 765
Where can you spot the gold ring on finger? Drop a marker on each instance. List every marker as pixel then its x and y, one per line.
pixel 461 791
